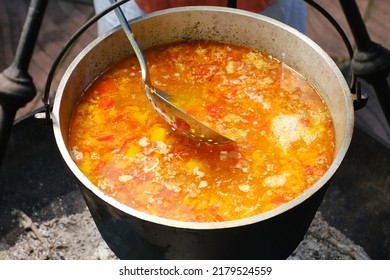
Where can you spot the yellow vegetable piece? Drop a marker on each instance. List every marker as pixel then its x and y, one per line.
pixel 192 164
pixel 158 134
pixel 133 150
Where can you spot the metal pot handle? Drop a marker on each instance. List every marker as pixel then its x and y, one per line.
pixel 64 50
pixel 360 99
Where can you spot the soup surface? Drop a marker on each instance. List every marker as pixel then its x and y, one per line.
pixel 283 132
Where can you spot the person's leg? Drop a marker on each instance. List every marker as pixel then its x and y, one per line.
pixel 109 21
pixel 290 12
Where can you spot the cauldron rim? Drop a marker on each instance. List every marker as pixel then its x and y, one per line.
pixel 339 156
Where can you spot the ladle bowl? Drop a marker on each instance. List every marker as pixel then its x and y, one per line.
pixel 177 118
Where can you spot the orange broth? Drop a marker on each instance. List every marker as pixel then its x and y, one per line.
pixel 283 131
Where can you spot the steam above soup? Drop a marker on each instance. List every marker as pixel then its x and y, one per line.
pixel 283 131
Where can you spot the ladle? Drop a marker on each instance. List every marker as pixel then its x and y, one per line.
pixel 178 119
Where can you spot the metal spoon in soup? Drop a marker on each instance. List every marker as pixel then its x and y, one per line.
pixel 177 118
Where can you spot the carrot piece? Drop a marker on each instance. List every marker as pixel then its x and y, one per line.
pixel 106 138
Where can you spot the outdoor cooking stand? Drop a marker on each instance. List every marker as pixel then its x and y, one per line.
pixel 370 62
pixel 16 85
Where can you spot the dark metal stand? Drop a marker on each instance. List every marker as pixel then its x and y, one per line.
pixel 370 61
pixel 16 85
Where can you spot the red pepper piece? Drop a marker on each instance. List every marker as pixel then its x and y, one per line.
pixel 106 138
pixel 182 125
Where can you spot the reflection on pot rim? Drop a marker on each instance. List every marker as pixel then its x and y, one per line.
pixel 292 40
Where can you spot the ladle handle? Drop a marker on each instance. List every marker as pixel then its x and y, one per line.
pixel 130 35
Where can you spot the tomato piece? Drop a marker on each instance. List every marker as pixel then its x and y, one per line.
pixel 182 125
pixel 279 200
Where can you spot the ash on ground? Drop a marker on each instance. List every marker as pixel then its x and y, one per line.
pixel 75 237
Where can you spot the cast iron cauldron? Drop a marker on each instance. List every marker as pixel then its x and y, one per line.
pixel 272 235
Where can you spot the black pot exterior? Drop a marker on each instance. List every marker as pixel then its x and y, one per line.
pixel 271 235
pixel 132 238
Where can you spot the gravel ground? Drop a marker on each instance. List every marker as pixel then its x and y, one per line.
pixel 76 237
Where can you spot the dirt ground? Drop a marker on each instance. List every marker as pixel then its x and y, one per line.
pixel 75 237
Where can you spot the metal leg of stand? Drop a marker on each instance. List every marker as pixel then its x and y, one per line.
pixel 232 3
pixel 371 61
pixel 16 85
